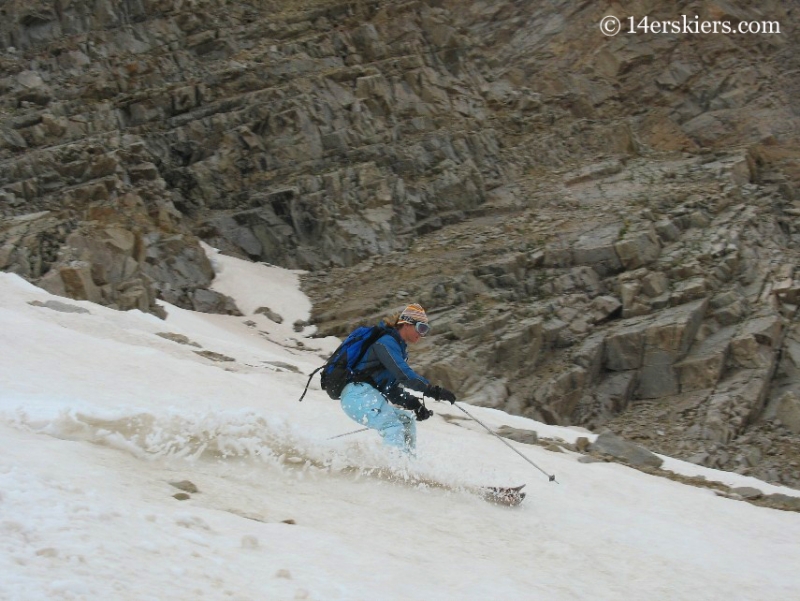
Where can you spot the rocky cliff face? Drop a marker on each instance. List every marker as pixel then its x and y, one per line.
pixel 604 228
pixel 303 134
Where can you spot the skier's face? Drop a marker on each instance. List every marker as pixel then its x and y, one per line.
pixel 409 334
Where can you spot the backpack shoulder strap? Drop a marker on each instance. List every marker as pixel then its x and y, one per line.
pixel 376 334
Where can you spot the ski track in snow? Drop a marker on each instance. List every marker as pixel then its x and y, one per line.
pixel 98 415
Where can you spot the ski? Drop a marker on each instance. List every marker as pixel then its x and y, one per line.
pixel 510 496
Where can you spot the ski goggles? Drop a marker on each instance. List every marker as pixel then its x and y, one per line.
pixel 421 327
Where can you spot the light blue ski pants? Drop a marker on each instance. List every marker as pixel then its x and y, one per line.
pixel 366 405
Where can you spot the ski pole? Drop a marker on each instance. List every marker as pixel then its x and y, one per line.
pixel 349 433
pixel 550 477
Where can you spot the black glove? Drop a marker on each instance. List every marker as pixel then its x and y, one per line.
pixel 422 413
pixel 440 394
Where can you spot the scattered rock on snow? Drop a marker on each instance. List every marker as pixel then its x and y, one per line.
pixel 179 338
pixel 214 356
pixel 781 501
pixel 185 486
pixel 211 301
pixel 747 492
pixel 519 435
pixel 620 448
pixel 59 306
pixel 286 366
pixel 270 314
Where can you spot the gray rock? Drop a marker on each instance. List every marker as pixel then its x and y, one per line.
pixel 704 365
pixel 269 313
pixel 666 340
pixel 736 401
pixel 11 139
pixel 667 231
pixel 589 355
pixel 561 393
pixel 59 306
pixel 218 357
pixel 702 458
pixel 638 248
pixel 596 249
pixel 623 347
pixel 523 436
pixel 654 284
pixel 606 399
pixel 591 172
pixel 603 307
pixel 211 301
pixel 619 448
pixel 782 501
pixel 628 292
pixel 185 486
pixel 284 365
pixel 179 338
pixel 689 290
pixel 747 492
pixel 77 282
pixel 788 411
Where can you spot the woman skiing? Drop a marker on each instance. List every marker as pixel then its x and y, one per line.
pixel 379 398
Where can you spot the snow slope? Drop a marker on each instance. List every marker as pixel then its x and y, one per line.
pixel 99 414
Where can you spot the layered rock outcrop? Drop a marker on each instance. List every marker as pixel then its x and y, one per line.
pixel 304 136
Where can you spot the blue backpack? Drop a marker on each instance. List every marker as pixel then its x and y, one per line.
pixel 340 369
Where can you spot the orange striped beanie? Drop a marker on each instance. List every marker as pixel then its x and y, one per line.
pixel 413 314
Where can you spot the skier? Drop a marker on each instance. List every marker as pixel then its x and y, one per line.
pixel 379 397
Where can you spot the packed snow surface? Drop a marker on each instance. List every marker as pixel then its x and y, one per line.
pixel 102 412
